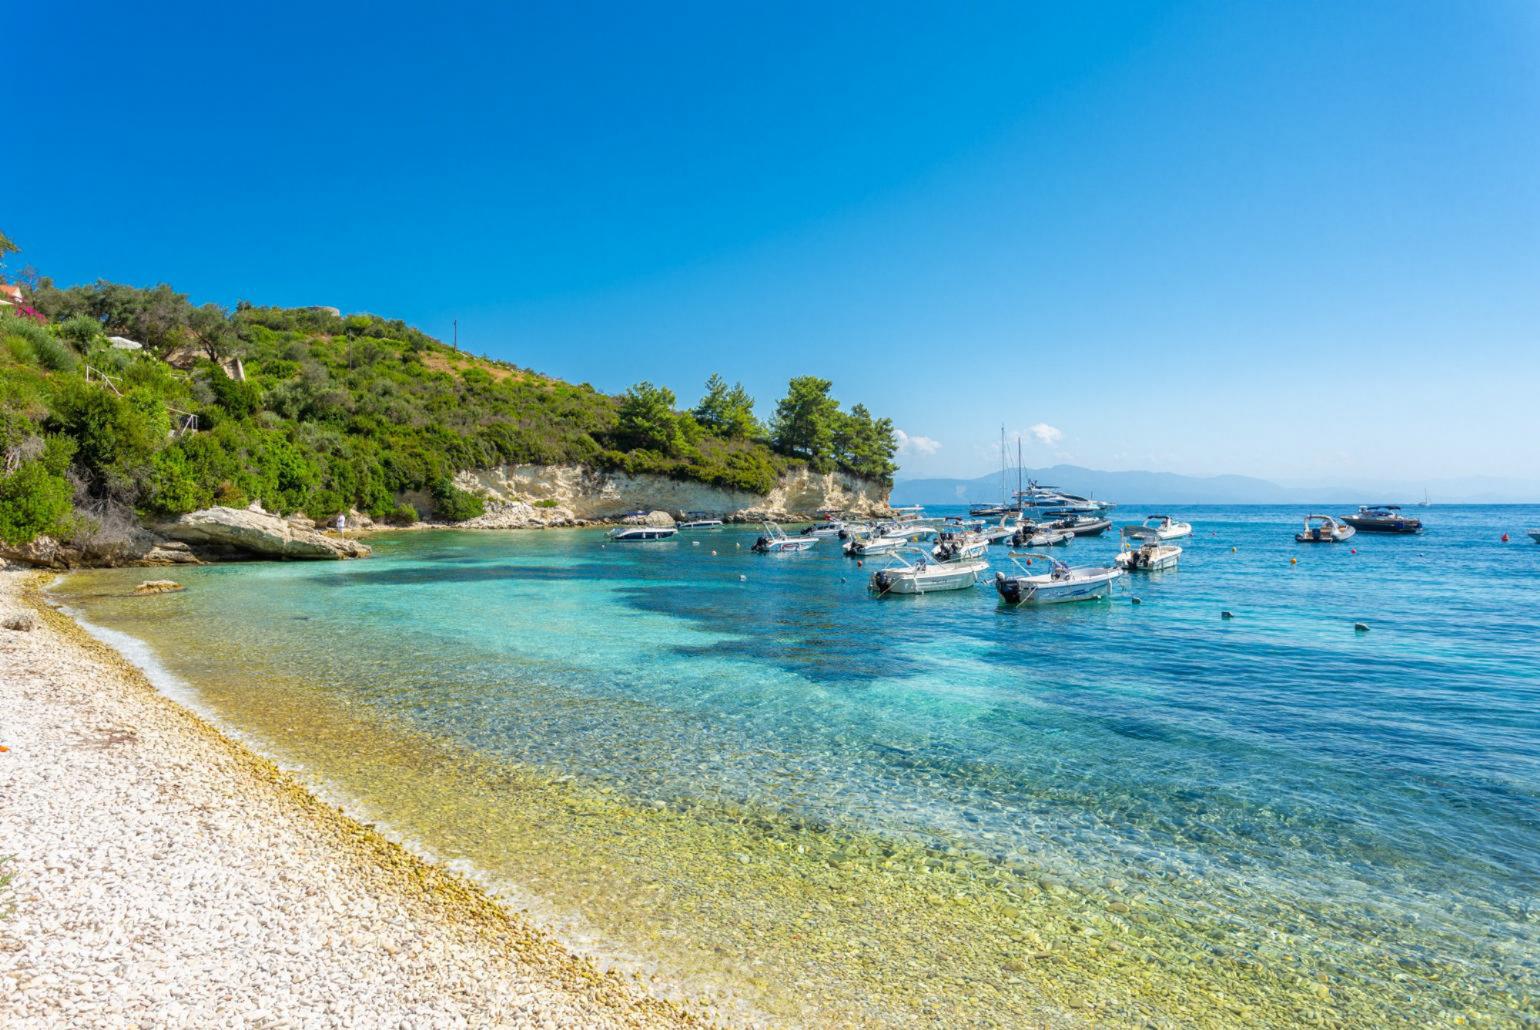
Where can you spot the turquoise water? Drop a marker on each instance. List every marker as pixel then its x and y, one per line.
pixel 1275 791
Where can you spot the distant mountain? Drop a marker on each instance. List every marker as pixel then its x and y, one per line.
pixel 1153 488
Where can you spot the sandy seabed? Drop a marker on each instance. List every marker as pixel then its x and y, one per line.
pixel 162 874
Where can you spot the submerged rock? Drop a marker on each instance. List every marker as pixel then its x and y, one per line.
pixel 227 532
pixel 158 586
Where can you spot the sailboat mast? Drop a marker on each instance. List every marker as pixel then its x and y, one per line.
pixel 1003 498
pixel 1019 499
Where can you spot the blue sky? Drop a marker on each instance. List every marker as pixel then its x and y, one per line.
pixel 1300 241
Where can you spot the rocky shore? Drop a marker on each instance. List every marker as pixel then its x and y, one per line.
pixel 162 874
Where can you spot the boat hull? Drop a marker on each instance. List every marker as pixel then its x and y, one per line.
pixel 1018 590
pixel 637 534
pixel 1398 526
pixel 899 581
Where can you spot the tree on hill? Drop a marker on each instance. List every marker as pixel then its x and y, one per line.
pixel 728 413
pixel 864 445
pixel 805 421
pixel 648 420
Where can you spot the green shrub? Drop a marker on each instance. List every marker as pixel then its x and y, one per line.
pixel 34 502
pixel 455 505
pixel 402 515
pixel 547 502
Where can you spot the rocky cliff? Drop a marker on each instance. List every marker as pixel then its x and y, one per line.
pixel 520 496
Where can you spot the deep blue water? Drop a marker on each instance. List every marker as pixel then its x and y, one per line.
pixel 1364 789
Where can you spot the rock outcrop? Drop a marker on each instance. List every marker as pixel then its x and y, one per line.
pixel 527 496
pixel 252 533
pixel 138 547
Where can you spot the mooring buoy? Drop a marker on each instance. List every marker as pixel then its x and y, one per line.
pixel 1227 614
pixel 1361 627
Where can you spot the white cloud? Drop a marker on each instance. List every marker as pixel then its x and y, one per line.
pixel 916 444
pixel 1047 434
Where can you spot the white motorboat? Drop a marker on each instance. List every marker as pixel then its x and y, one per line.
pixel 1151 554
pixel 1323 529
pixel 699 520
pixel 1167 528
pixel 628 534
pixel 1534 534
pixel 833 527
pixel 1059 584
pixel 1076 524
pixel 964 545
pixel 774 540
pixel 1037 495
pixel 869 546
pixel 1030 535
pixel 923 576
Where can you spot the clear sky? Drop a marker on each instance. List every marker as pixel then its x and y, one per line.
pixel 1293 240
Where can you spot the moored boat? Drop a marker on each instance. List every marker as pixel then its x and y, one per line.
pixel 1030 535
pixel 1058 585
pixel 960 545
pixel 629 534
pixel 1149 554
pixel 1323 529
pixel 1076 524
pixel 1383 518
pixel 1167 528
pixel 699 520
pixel 774 540
pixel 924 576
pixel 1534 534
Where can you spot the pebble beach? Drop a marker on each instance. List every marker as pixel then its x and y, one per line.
pixel 158 873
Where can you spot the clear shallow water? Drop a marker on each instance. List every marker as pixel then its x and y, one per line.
pixel 830 805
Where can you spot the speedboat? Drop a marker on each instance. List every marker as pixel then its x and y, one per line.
pixel 1059 584
pixel 964 545
pixel 1151 555
pixel 1534 534
pixel 867 546
pixel 775 541
pixel 833 527
pixel 1383 518
pixel 1078 525
pixel 1167 528
pixel 1323 529
pixel 1002 533
pixel 628 534
pixel 699 520
pixel 1030 535
pixel 923 576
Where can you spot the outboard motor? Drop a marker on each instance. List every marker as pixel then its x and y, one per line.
pixel 882 580
pixel 762 544
pixel 1008 588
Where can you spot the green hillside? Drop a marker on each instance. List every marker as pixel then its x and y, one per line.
pixel 338 412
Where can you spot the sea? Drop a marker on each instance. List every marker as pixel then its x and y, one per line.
pixel 750 781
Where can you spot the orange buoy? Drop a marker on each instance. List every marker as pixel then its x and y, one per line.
pixel 1505 538
pixel 1293 561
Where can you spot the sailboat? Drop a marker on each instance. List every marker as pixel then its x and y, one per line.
pixel 1425 502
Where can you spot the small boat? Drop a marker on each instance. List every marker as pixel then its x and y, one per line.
pixel 833 527
pixel 1323 529
pixel 1534 534
pixel 1059 584
pixel 774 540
pixel 1030 535
pixel 1383 518
pixel 867 546
pixel 1078 525
pixel 923 576
pixel 699 520
pixel 628 534
pixel 964 545
pixel 1002 533
pixel 1151 555
pixel 851 529
pixel 1167 528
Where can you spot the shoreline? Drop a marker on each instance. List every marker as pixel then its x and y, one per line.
pixel 118 897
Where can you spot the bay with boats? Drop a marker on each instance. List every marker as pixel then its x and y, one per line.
pixel 754 778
